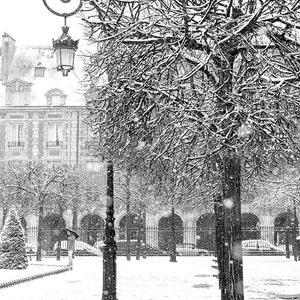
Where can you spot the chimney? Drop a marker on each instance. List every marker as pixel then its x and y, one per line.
pixel 8 52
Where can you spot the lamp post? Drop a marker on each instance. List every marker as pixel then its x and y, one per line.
pixel 65 47
pixel 110 248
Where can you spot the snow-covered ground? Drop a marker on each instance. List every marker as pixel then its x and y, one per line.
pixel 34 268
pixel 155 278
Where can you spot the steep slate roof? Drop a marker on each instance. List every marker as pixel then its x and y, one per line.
pixel 25 60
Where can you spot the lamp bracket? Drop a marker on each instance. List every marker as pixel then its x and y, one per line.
pixel 65 15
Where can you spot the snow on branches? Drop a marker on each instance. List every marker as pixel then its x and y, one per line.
pixel 184 76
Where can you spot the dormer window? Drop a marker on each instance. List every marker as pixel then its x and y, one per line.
pixel 18 92
pixel 39 70
pixel 56 97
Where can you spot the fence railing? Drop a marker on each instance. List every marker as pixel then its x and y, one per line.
pixel 158 241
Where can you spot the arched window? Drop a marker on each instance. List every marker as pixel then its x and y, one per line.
pixel 250 227
pixel 52 230
pixel 205 231
pixel 18 92
pixel 165 232
pixel 56 97
pixel 92 229
pixel 39 70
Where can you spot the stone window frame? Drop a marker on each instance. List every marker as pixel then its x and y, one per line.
pixel 17 86
pixel 56 92
pixel 39 70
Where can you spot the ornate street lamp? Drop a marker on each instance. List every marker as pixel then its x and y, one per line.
pixel 64 47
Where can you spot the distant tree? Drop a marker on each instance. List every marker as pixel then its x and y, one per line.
pixel 37 182
pixel 12 243
pixel 136 194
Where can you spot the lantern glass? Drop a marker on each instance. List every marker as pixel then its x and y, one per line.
pixel 65 60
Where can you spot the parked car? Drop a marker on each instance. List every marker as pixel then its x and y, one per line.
pixel 190 249
pixel 122 248
pixel 260 247
pixel 81 248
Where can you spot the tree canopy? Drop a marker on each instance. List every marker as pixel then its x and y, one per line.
pixel 189 81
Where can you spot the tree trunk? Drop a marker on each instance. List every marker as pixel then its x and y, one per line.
pixel 144 234
pixel 294 231
pixel 127 231
pixel 5 210
pixel 232 260
pixel 287 234
pixel 173 241
pixel 139 237
pixel 40 230
pixel 220 235
pixel 58 250
pixel 128 219
pixel 75 213
pixel 58 253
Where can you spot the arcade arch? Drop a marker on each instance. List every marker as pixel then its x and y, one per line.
pixel 92 229
pixel 133 226
pixel 52 226
pixel 165 232
pixel 250 227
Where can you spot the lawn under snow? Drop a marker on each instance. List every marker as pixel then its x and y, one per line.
pixel 155 278
pixel 34 268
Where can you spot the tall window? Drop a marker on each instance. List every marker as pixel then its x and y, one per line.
pixel 18 98
pixel 54 134
pixel 17 92
pixel 39 70
pixel 16 135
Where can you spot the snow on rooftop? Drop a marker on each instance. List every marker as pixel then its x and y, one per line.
pixel 25 60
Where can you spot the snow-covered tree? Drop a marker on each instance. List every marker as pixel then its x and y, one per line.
pixel 280 191
pixel 38 182
pixel 12 243
pixel 208 88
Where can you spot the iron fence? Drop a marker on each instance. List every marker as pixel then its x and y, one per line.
pixel 158 241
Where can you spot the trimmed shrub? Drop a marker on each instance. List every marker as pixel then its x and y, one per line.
pixel 12 243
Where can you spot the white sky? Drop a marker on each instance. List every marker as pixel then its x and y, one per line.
pixel 29 22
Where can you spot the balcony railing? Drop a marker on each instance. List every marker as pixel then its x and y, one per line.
pixel 16 144
pixel 54 143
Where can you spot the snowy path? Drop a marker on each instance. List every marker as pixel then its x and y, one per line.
pixel 155 278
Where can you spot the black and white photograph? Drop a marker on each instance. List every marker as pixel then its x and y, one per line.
pixel 150 150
